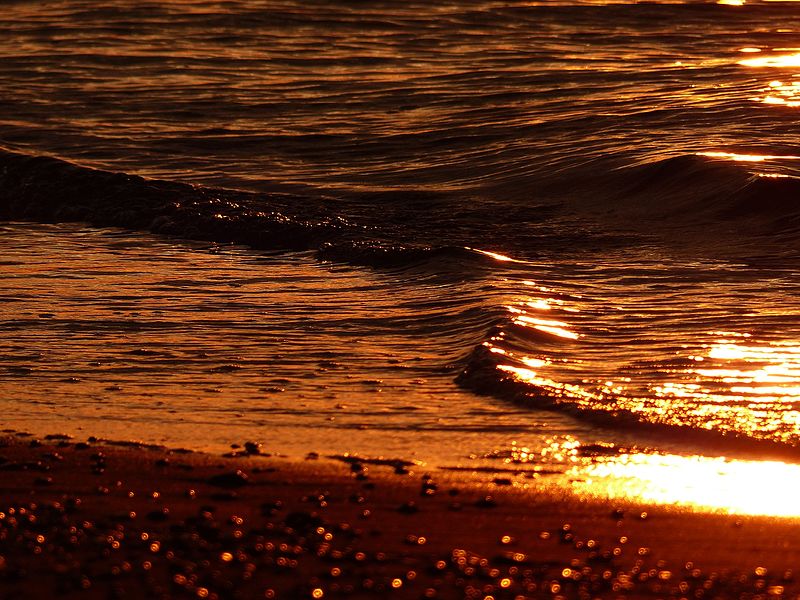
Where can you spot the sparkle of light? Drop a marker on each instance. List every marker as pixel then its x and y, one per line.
pixel 730 486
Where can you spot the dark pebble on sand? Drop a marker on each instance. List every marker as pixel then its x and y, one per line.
pixel 501 481
pixel 234 479
pixel 159 515
pixel 302 521
pixel 269 509
pixel 162 462
pixel 81 446
pixel 252 447
pixel 486 502
pixel 224 496
pixel 428 488
pixel 408 508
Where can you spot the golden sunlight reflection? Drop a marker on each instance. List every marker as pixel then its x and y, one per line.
pixel 558 328
pixel 525 316
pixel 787 94
pixel 731 486
pixel 607 471
pixel 731 383
pixel 747 157
pixel 774 61
pixel 746 388
pixel 494 255
pixel 782 92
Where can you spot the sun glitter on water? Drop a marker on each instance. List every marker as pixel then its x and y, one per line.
pixel 731 486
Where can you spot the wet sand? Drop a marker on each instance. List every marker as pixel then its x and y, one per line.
pixel 98 520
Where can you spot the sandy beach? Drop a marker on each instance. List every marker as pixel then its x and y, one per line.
pixel 98 520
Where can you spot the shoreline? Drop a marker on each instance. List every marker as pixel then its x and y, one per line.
pixel 102 520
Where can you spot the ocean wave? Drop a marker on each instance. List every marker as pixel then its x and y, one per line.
pixel 487 373
pixel 698 187
pixel 697 200
pixel 50 190
pixel 580 322
pixel 376 229
pixel 699 203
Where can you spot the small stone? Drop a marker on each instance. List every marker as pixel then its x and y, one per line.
pixel 224 496
pixel 159 515
pixel 268 509
pixel 252 447
pixel 408 508
pixel 234 479
pixel 428 488
pixel 486 502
